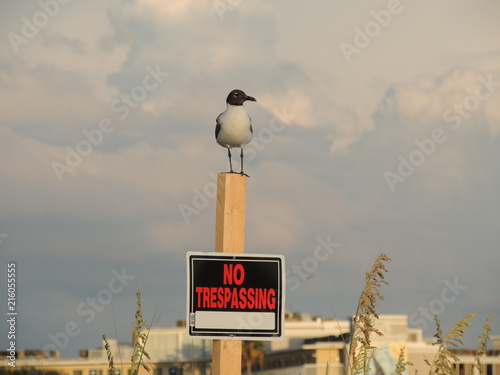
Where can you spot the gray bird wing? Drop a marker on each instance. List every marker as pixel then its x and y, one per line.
pixel 217 127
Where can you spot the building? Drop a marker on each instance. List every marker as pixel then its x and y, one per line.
pixel 310 346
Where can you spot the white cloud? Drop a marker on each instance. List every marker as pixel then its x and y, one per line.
pixel 410 114
pixel 294 100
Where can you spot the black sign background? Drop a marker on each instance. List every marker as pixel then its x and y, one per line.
pixel 207 270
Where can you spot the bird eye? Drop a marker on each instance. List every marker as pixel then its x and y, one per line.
pixel 236 94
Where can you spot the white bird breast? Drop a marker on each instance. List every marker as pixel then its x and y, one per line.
pixel 235 127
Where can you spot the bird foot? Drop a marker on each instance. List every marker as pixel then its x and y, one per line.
pixel 240 173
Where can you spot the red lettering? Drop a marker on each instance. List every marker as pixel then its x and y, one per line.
pixel 206 296
pixel 271 299
pixel 227 297
pixel 220 297
pixel 199 290
pixel 262 302
pixel 243 298
pixel 239 279
pixel 234 300
pixel 228 274
pixel 213 297
pixel 251 298
pixel 231 272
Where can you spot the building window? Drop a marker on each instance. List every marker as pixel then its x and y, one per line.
pixel 157 371
pixel 489 369
pixel 77 372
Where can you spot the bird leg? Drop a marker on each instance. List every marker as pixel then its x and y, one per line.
pixel 241 156
pixel 230 164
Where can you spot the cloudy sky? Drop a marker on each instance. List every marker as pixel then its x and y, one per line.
pixel 377 130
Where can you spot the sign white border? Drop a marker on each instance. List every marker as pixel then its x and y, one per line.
pixel 219 325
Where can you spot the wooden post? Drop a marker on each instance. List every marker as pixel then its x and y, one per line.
pixel 229 238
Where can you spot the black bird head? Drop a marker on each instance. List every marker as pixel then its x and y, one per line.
pixel 238 97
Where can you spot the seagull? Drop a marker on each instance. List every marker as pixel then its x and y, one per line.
pixel 233 126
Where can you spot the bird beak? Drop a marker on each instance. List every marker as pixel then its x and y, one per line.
pixel 251 98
